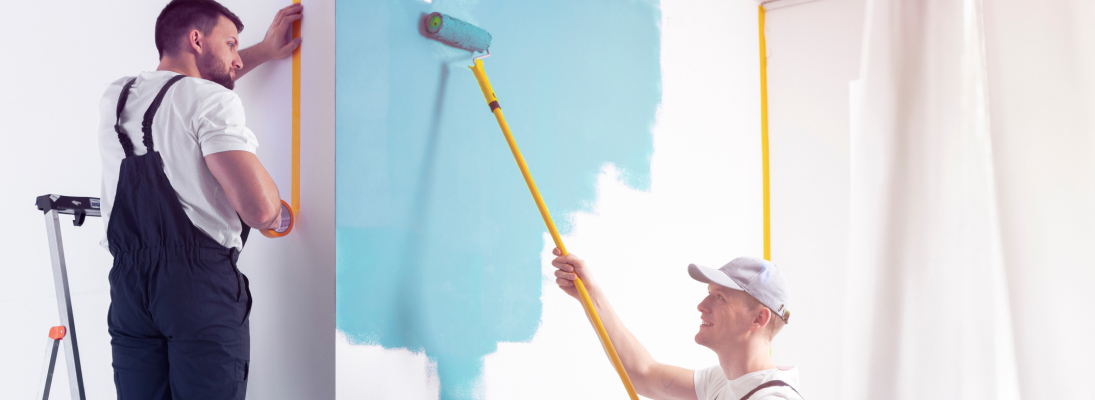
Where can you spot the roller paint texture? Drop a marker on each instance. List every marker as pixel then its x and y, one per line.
pixel 457 33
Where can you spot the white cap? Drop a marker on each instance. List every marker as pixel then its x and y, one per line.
pixel 758 277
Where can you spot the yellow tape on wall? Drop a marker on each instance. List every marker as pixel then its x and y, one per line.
pixel 764 136
pixel 294 205
pixel 295 199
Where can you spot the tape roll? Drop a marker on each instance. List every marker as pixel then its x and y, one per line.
pixel 285 210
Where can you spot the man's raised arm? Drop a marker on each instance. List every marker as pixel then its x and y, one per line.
pixel 277 44
pixel 651 378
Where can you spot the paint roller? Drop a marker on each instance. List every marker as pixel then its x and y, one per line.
pixel 460 34
pixel 457 33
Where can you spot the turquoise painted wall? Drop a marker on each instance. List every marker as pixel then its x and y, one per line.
pixel 438 239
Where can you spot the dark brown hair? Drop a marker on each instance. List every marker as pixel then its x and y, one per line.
pixel 180 16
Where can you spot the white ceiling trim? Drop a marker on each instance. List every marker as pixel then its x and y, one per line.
pixel 774 4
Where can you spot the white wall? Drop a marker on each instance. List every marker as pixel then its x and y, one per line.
pixel 708 128
pixel 60 57
pixel 704 206
pixel 814 52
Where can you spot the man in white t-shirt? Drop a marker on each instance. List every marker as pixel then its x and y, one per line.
pixel 746 306
pixel 181 185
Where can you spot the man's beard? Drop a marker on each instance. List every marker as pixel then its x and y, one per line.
pixel 213 69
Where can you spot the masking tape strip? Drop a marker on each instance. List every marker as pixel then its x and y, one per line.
pixel 764 136
pixel 295 199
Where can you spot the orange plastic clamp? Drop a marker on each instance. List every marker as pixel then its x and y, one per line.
pixel 57 332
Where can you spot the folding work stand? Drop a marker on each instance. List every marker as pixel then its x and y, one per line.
pixel 80 208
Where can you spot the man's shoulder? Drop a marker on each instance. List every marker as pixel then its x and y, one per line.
pixel 202 91
pixel 197 88
pixel 782 384
pixel 205 87
pixel 778 396
pixel 197 96
pixel 777 393
pixel 121 81
pixel 710 382
pixel 772 384
pixel 115 87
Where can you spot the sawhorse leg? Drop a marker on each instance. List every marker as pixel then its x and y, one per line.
pixel 64 306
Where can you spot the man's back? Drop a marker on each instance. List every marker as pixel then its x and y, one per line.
pixel 196 118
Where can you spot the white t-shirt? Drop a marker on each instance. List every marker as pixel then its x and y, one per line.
pixel 196 118
pixel 711 384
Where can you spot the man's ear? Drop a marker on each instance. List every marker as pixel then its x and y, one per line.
pixel 762 318
pixel 195 41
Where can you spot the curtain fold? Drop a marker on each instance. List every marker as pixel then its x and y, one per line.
pixel 1041 76
pixel 929 313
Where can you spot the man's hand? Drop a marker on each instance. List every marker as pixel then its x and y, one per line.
pixel 278 43
pixel 279 40
pixel 651 379
pixel 570 267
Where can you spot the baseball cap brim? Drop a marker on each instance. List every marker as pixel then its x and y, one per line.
pixel 711 275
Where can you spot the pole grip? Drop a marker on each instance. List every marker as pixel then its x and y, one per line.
pixel 583 294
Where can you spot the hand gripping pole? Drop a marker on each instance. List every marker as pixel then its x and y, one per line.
pixel 591 312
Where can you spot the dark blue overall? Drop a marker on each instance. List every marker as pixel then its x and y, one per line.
pixel 179 307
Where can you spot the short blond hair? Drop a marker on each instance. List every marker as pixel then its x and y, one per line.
pixel 775 323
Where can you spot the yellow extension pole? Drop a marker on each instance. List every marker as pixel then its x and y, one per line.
pixel 764 137
pixel 492 100
pixel 295 196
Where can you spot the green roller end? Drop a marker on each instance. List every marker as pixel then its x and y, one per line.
pixel 433 23
pixel 456 33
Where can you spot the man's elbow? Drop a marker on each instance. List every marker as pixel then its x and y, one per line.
pixel 650 379
pixel 639 374
pixel 261 215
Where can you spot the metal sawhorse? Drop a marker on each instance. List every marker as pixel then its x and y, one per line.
pixel 80 208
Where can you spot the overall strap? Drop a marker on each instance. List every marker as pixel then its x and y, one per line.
pixel 245 231
pixel 127 145
pixel 146 125
pixel 768 385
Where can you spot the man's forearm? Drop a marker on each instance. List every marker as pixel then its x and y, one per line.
pixel 248 187
pixel 651 378
pixel 252 57
pixel 636 360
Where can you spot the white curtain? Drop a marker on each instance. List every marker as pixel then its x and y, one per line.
pixel 1041 75
pixel 973 190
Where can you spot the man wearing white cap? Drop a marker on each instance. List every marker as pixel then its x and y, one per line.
pixel 745 308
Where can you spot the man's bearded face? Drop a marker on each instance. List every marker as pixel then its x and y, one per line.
pixel 213 69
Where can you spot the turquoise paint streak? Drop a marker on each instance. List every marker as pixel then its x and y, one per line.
pixel 438 238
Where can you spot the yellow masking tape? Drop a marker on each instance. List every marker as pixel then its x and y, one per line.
pixel 295 197
pixel 764 137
